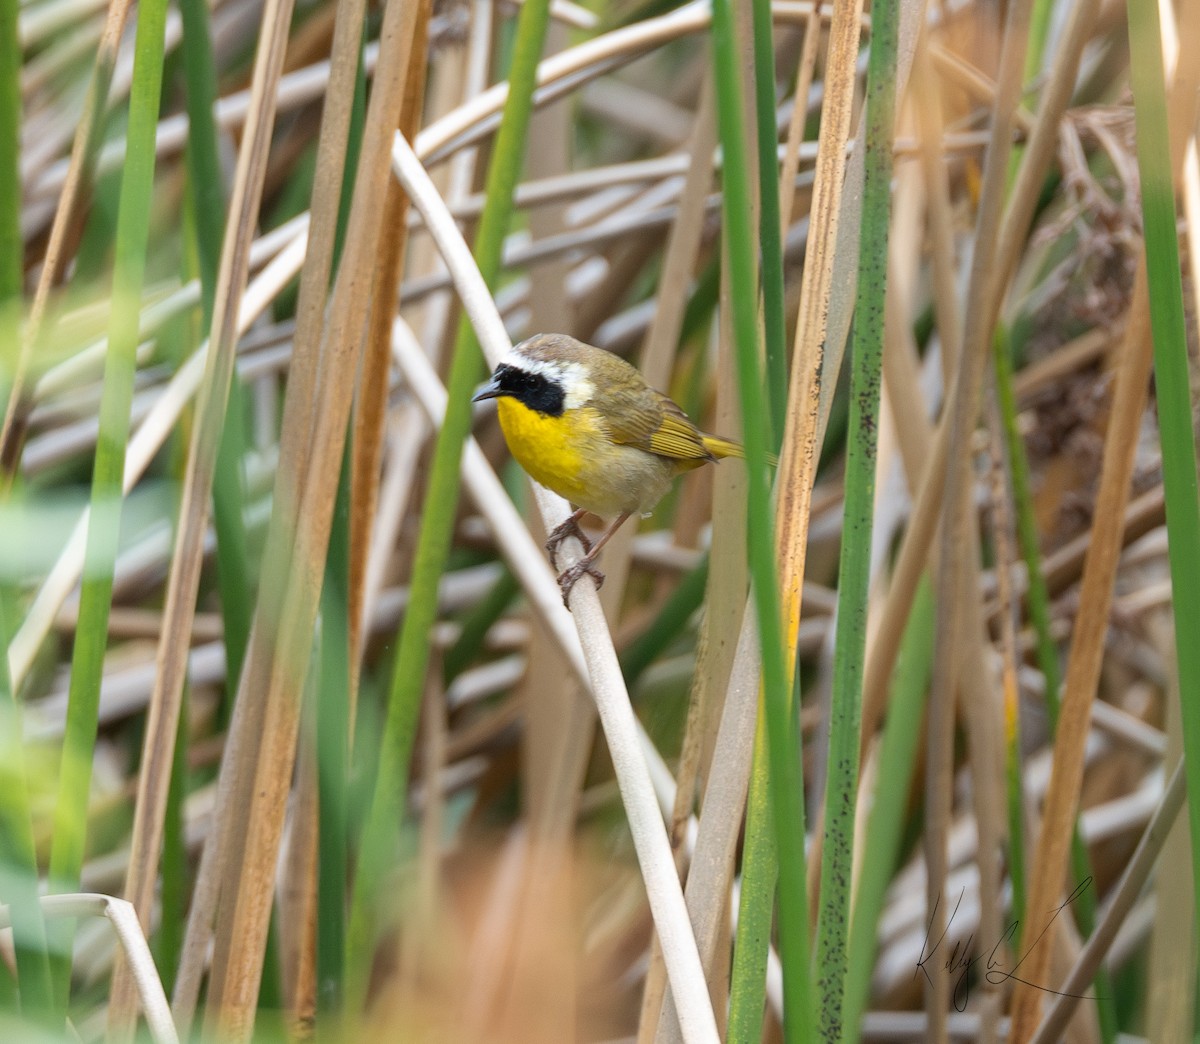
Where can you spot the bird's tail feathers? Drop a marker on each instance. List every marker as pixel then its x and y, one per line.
pixel 720 447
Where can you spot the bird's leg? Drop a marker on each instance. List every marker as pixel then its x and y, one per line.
pixel 569 528
pixel 569 576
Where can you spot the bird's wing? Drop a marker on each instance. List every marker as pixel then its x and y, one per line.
pixel 657 425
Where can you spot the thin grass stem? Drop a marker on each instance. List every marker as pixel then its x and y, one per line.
pixel 1172 379
pixel 786 784
pixel 433 544
pixel 769 229
pixel 205 185
pixel 18 861
pixel 91 636
pixel 897 757
pixel 866 379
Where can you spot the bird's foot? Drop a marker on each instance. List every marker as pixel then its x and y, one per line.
pixel 570 576
pixel 569 528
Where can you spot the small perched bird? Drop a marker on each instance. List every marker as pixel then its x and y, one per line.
pixel 585 423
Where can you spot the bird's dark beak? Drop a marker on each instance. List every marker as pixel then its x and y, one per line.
pixel 487 391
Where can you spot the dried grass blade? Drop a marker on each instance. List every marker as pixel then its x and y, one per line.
pixel 1124 894
pixel 927 501
pixel 184 578
pixel 795 136
pixel 786 783
pixel 285 615
pixel 65 228
pixel 1087 646
pixel 371 411
pixel 955 572
pixel 298 423
pixel 436 527
pixel 801 439
pixel 683 243
pixel 1001 523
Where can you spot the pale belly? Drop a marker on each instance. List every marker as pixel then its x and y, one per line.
pixel 572 456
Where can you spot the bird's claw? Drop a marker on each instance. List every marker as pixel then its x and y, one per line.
pixel 570 576
pixel 569 528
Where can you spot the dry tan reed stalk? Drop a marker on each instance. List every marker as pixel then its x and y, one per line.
pixel 901 359
pixel 246 728
pixel 795 136
pixel 371 396
pixel 844 285
pixel 285 618
pixel 184 579
pixel 296 893
pixel 65 230
pixel 976 84
pixel 801 448
pixel 683 244
pixel 955 573
pixel 927 501
pixel 725 595
pixel 947 314
pixel 451 83
pixel 1133 879
pixel 1087 646
pixel 838 312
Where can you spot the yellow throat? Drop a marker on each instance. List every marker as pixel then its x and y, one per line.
pixel 552 449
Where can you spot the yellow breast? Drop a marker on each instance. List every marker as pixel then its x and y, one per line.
pixel 573 455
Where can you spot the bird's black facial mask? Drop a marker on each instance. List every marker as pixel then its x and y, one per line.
pixel 533 390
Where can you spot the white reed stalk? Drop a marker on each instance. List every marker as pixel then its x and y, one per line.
pixel 684 970
pixel 137 952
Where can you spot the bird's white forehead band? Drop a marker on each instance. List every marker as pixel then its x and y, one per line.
pixel 573 378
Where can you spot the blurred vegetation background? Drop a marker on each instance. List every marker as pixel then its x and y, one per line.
pixel 288 684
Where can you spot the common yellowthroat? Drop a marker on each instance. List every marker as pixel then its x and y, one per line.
pixel 585 423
